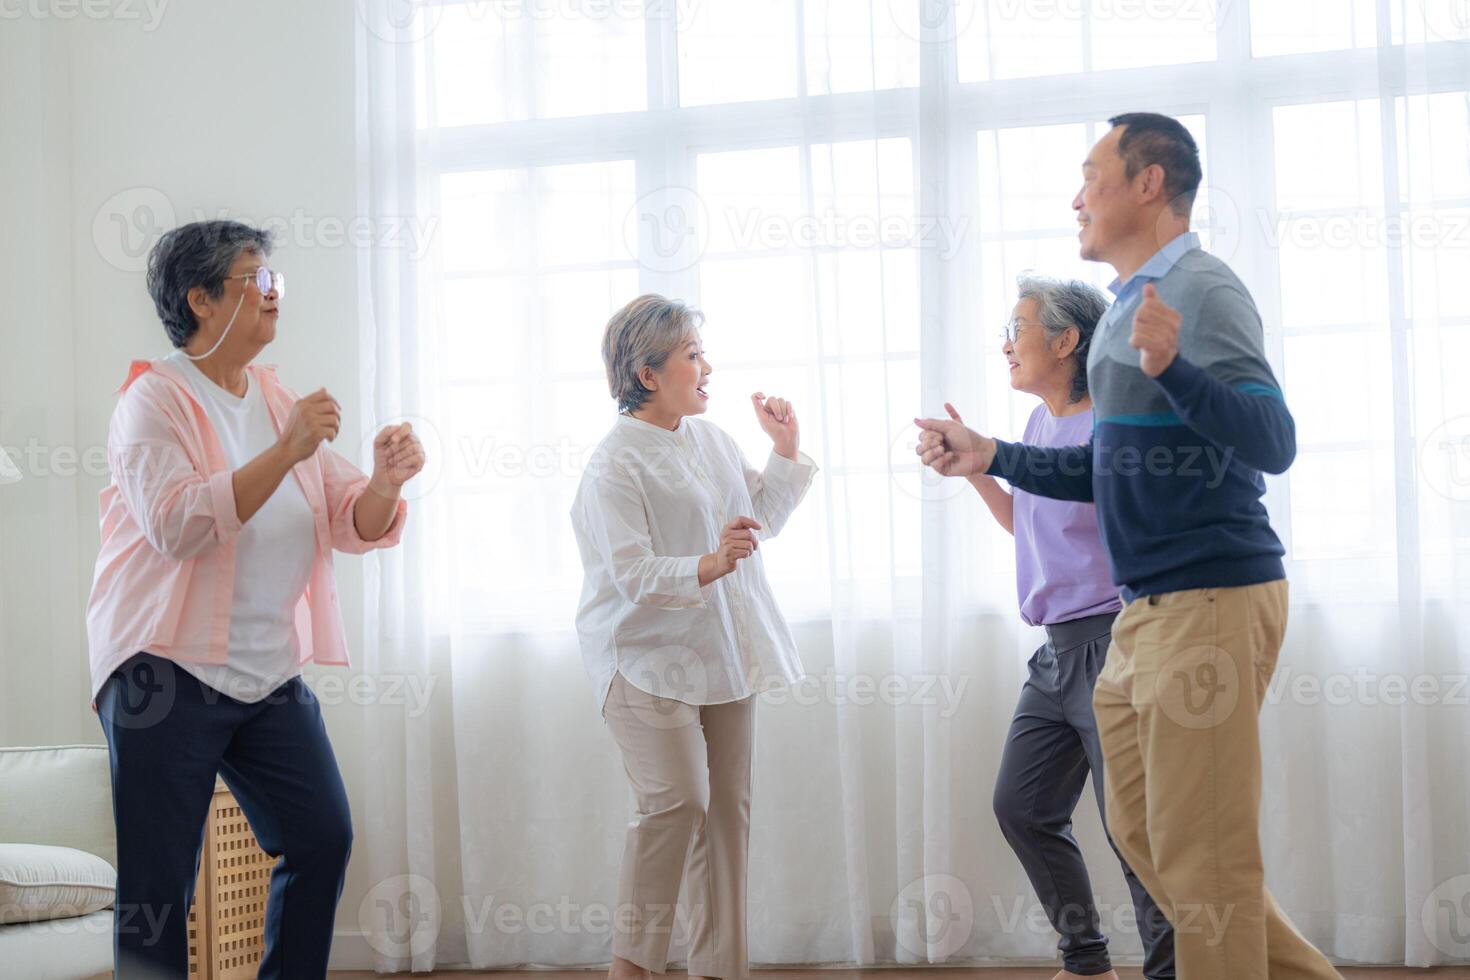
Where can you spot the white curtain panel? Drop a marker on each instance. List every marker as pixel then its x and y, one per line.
pixel 848 189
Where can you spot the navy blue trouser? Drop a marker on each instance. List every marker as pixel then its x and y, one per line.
pixel 1052 745
pixel 168 736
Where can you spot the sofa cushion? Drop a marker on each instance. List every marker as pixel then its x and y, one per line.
pixel 60 795
pixel 62 949
pixel 40 882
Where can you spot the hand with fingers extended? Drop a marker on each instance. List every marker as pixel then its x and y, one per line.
pixel 1155 333
pixel 313 418
pixel 950 448
pixel 737 542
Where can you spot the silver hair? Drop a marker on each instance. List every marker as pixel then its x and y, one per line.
pixel 643 334
pixel 1062 304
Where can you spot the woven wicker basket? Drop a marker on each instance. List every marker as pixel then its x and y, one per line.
pixel 227 919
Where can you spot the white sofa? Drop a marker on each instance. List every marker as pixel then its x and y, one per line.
pixel 59 796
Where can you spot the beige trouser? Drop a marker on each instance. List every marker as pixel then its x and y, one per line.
pixel 690 770
pixel 1177 705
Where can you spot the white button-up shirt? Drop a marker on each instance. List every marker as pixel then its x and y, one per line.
pixel 651 502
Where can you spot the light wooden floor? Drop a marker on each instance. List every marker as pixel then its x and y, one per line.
pixel 932 973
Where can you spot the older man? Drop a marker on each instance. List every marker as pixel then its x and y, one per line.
pixel 1188 415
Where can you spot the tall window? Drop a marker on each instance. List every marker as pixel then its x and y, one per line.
pixel 775 163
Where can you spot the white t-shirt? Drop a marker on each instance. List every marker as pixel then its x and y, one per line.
pixel 274 552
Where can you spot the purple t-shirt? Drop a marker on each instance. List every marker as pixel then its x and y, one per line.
pixel 1062 571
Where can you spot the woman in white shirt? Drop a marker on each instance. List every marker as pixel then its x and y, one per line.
pixel 679 630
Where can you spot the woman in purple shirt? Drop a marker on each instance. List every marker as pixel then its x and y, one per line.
pixel 1064 583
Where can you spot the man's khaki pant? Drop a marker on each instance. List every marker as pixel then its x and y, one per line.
pixel 1177 704
pixel 690 770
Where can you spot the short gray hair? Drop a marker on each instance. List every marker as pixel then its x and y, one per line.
pixel 196 254
pixel 1062 304
pixel 643 334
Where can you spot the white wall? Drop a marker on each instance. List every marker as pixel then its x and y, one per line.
pixel 219 106
pixel 41 652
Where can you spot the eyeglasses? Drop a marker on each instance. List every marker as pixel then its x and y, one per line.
pixel 1013 329
pixel 265 280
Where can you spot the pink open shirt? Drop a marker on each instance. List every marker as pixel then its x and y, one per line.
pixel 165 575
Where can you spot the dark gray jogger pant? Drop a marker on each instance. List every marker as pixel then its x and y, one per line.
pixel 1052 746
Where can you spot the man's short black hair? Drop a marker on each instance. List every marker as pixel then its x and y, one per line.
pixel 1149 138
pixel 197 254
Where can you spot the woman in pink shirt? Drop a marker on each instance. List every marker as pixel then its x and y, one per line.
pixel 213 586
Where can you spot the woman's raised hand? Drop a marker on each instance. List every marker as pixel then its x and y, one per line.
pixel 778 418
pixel 397 455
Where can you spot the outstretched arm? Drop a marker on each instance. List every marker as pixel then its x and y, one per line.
pixel 951 449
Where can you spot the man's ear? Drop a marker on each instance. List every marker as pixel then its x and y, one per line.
pixel 1150 183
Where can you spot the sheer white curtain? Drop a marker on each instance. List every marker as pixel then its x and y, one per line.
pixel 848 190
